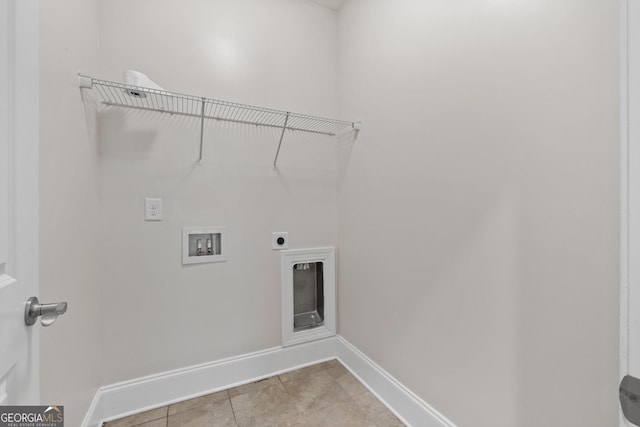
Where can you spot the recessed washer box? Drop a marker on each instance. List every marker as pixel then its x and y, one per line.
pixel 204 244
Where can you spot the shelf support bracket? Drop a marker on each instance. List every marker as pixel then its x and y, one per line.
pixel 284 128
pixel 201 127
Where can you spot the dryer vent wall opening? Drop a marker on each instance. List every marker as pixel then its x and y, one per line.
pixel 308 288
pixel 308 295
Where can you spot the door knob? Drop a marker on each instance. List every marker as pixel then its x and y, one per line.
pixel 630 398
pixel 49 312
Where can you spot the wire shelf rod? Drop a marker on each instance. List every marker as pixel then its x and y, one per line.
pixel 201 129
pixel 147 99
pixel 284 129
pixel 275 126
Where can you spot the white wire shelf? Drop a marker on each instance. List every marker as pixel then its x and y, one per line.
pixel 142 98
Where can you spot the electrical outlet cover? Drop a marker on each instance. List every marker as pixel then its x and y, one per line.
pixel 152 209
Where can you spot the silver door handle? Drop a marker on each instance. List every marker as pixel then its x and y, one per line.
pixel 630 398
pixel 49 312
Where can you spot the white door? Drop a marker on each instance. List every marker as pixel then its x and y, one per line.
pixel 18 199
pixel 630 218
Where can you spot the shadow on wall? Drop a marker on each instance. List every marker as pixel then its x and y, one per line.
pixel 345 143
pixel 132 133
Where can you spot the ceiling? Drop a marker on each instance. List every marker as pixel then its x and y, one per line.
pixel 332 4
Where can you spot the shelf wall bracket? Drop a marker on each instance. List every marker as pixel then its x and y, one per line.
pixel 284 129
pixel 204 100
pixel 85 82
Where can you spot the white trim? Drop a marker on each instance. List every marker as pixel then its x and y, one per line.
pixel 405 404
pixel 21 135
pixel 130 397
pixel 90 418
pixel 288 259
pixel 624 197
pixel 3 391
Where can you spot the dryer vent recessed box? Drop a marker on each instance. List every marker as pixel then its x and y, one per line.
pixel 204 244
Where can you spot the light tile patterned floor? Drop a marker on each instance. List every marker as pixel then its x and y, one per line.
pixel 323 395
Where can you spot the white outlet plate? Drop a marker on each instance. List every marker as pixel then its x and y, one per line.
pixel 152 209
pixel 279 235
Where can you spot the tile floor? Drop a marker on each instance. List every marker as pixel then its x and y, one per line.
pixel 317 396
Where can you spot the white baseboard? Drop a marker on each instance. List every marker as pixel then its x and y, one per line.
pixel 130 397
pixel 127 398
pixel 408 407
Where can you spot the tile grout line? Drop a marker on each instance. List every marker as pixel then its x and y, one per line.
pixel 233 411
pixel 290 396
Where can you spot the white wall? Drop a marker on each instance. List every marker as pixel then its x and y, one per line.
pixel 478 210
pixel 133 308
pixel 159 314
pixel 489 149
pixel 71 355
